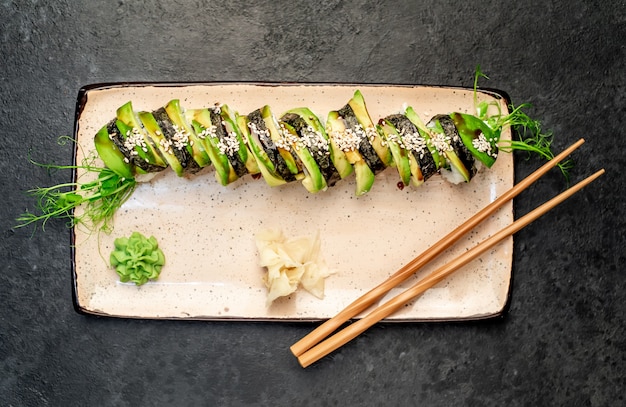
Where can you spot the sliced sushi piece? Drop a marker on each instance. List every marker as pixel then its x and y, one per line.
pixel 177 158
pixel 229 121
pixel 252 135
pixel 358 106
pixel 110 153
pixel 396 146
pixel 230 142
pixel 202 123
pixel 314 138
pixel 186 136
pixel 141 150
pixel 313 180
pixel 447 140
pixel 422 163
pixel 349 143
pixel 362 135
pixel 276 157
pixel 284 149
pixel 478 137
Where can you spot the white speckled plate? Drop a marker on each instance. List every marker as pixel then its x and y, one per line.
pixel 207 230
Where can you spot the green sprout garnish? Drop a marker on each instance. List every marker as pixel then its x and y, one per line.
pixel 102 197
pixel 532 138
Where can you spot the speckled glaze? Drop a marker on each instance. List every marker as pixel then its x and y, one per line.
pixel 207 230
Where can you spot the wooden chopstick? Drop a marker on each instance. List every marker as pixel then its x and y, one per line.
pixel 344 336
pixel 369 298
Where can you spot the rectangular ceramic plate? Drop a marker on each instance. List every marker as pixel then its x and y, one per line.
pixel 207 230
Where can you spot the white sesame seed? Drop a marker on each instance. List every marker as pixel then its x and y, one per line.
pixel 180 139
pixel 287 139
pixel 229 145
pixel 134 139
pixel 483 145
pixel 415 142
pixel 166 145
pixel 441 142
pixel 263 135
pixel 210 131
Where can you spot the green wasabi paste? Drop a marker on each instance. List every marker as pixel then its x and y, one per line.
pixel 137 258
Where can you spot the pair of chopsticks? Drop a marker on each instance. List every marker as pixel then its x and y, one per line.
pixel 313 347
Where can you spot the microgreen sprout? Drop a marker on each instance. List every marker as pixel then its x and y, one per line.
pixel 101 198
pixel 531 137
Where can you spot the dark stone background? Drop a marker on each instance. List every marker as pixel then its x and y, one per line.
pixel 562 341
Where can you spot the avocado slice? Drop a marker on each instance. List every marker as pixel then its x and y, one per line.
pixel 164 144
pixel 313 179
pixel 478 137
pixel 265 165
pixel 455 151
pixel 110 154
pixel 194 145
pixel 142 149
pixel 336 129
pixel 399 153
pixel 315 139
pixel 357 103
pixel 203 125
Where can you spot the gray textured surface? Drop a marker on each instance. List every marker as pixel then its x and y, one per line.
pixel 562 341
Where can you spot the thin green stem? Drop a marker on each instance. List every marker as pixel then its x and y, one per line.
pixel 531 137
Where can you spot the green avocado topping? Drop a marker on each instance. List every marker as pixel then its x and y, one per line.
pixel 137 258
